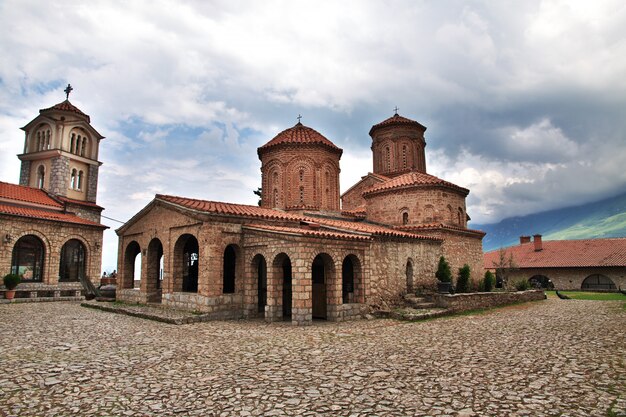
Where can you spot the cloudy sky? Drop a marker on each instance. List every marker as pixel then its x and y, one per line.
pixel 525 101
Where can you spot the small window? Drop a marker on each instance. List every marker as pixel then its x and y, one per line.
pixel 41 176
pixel 73 180
pixel 79 185
pixel 405 218
pixel 72 141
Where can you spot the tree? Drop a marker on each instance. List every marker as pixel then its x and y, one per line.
pixel 488 281
pixel 259 192
pixel 443 273
pixel 505 266
pixel 462 282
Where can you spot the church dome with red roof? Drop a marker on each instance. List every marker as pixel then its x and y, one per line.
pixel 300 170
pixel 299 135
pixel 397 120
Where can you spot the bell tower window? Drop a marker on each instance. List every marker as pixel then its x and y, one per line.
pixel 73 180
pixel 41 176
pixel 79 185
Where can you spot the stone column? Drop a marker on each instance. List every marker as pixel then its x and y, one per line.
pixel 302 292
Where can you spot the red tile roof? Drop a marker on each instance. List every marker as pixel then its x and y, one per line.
pixel 22 193
pixel 80 202
pixel 229 208
pixel 65 106
pixel 359 212
pixel 369 228
pixel 414 179
pixel 43 214
pixel 397 120
pixel 299 134
pixel 435 226
pixel 308 232
pixel 565 253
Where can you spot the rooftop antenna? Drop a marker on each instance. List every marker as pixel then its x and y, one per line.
pixel 67 91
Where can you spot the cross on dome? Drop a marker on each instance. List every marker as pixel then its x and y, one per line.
pixel 67 91
pixel 396 110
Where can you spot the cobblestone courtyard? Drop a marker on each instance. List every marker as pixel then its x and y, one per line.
pixel 551 357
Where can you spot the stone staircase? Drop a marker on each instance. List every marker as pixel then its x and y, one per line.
pixel 418 301
pixel 417 307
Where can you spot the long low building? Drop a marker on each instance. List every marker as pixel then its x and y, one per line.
pixel 586 264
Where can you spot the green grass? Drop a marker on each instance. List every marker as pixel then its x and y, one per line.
pixel 586 295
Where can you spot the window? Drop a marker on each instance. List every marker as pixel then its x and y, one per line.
pixel 83 146
pixel 230 262
pixel 73 180
pixel 79 185
pixel 72 142
pixel 405 218
pixel 28 256
pixel 72 265
pixel 41 176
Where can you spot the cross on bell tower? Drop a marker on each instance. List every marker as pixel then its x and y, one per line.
pixel 67 91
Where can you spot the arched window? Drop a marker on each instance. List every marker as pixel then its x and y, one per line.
pixel 429 213
pixel 404 156
pixel 28 256
pixel 460 216
pixel 405 218
pixel 83 146
pixel 73 180
pixel 38 141
pixel 230 263
pixel 72 265
pixel 41 176
pixel 72 142
pixel 347 280
pixel 79 185
pixel 598 282
pixel 48 139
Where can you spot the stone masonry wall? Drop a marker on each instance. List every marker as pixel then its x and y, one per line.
pixel 570 278
pixel 60 175
pixel 92 183
pixel 53 235
pixel 474 301
pixel 423 205
pixel 25 173
pixel 353 198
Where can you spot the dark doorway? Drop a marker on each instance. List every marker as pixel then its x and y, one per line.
pixel 191 260
pixel 28 255
pixel 540 281
pixel 410 288
pixel 261 283
pixel 230 262
pixel 286 289
pixel 131 255
pixel 347 280
pixel 72 265
pixel 319 288
pixel 598 282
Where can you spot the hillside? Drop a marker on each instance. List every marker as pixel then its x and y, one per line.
pixel 605 218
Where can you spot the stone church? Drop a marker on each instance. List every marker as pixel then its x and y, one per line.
pixel 50 230
pixel 306 252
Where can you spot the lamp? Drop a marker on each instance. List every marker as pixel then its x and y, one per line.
pixel 7 238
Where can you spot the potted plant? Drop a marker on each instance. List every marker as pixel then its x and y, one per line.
pixel 10 282
pixel 444 276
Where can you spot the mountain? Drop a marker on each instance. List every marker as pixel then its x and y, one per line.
pixel 605 218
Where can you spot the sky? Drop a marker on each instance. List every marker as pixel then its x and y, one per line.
pixel 524 101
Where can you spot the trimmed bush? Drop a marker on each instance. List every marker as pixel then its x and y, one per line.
pixel 443 273
pixel 463 280
pixel 522 285
pixel 11 281
pixel 489 281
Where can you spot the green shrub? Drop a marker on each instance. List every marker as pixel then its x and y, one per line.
pixel 443 273
pixel 481 286
pixel 522 285
pixel 489 281
pixel 463 280
pixel 11 281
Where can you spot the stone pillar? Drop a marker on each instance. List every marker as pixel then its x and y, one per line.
pixel 302 292
pixel 92 183
pixel 25 173
pixel 59 175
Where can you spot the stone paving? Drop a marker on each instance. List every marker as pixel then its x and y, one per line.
pixel 546 358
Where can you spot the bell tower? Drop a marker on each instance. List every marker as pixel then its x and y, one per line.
pixel 61 152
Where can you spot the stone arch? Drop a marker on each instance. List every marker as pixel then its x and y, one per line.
pixel 410 282
pixel 352 280
pixel 598 282
pixel 429 213
pixel 185 262
pixel 130 257
pixel 231 270
pixel 450 214
pixel 41 138
pixel 259 268
pixel 73 261
pixel 323 279
pixel 273 196
pixel 155 261
pixel 404 215
pixel 28 258
pixel 282 277
pixel 540 281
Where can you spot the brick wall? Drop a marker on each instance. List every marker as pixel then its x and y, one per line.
pixel 353 198
pixel 406 150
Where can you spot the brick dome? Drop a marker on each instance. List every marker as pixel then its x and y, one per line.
pixel 299 135
pixel 397 120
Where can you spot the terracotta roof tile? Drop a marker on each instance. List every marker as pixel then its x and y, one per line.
pixel 373 229
pixel 80 202
pixel 565 253
pixel 43 214
pixel 299 134
pixel 435 226
pixel 397 120
pixel 359 212
pixel 65 106
pixel 27 194
pixel 229 208
pixel 309 232
pixel 413 179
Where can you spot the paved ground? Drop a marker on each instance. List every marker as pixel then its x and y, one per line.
pixel 552 357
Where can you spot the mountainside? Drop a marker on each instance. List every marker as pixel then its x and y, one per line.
pixel 605 218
